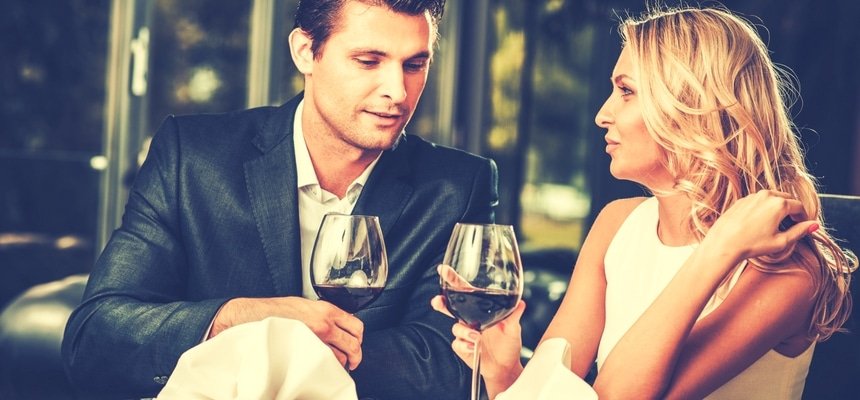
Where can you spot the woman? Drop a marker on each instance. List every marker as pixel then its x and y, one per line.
pixel 721 283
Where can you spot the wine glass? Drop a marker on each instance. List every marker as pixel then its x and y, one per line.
pixel 481 279
pixel 349 265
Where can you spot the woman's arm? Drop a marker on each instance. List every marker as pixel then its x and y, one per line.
pixel 761 312
pixel 666 353
pixel 580 317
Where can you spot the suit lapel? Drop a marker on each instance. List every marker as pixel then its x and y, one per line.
pixel 271 183
pixel 388 189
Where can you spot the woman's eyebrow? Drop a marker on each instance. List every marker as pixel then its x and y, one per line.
pixel 618 78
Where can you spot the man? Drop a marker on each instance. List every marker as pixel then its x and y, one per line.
pixel 223 213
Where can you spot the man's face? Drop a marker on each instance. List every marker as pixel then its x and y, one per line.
pixel 362 89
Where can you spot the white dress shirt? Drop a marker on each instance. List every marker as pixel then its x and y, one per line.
pixel 314 201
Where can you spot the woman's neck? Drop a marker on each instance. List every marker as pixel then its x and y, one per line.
pixel 672 226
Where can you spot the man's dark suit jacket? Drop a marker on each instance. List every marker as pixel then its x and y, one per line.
pixel 213 215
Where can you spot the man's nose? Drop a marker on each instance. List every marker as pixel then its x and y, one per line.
pixel 392 84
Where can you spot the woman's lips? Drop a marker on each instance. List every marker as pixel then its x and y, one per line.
pixel 611 145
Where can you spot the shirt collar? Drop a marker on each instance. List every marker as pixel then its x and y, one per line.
pixel 305 174
pixel 305 168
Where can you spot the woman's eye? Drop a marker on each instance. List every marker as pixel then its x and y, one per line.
pixel 625 90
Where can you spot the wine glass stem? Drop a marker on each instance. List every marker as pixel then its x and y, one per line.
pixel 476 374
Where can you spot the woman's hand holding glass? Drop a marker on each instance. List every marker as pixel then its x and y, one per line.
pixel 500 345
pixel 481 281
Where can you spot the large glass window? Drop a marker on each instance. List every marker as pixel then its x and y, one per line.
pixel 539 70
pixel 199 57
pixel 52 82
pixel 166 57
pixel 555 195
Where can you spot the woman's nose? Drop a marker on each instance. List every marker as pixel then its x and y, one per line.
pixel 604 117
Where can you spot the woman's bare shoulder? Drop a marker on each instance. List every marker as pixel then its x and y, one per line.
pixel 610 219
pixel 794 276
pixel 614 213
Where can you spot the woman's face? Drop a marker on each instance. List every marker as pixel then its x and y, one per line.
pixel 635 155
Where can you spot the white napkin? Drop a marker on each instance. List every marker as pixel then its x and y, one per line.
pixel 271 359
pixel 547 376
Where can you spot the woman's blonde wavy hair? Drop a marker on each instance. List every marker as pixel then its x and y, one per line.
pixel 718 106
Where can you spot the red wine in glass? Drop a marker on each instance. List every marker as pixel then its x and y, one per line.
pixel 349 265
pixel 480 309
pixel 481 279
pixel 349 299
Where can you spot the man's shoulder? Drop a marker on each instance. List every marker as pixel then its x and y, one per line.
pixel 215 137
pixel 265 126
pixel 224 120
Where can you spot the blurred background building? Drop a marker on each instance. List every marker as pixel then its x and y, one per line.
pixel 84 84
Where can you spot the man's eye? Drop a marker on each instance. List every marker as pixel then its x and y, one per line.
pixel 366 62
pixel 415 66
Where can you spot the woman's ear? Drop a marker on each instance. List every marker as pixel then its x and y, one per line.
pixel 300 50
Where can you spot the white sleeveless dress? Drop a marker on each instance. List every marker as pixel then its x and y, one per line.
pixel 638 266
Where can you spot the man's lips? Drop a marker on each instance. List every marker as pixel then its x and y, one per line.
pixel 385 114
pixel 385 119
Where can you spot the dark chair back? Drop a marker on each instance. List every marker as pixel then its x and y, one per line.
pixel 546 274
pixel 31 331
pixel 835 369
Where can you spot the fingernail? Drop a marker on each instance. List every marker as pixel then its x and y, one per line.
pixel 473 335
pixel 813 228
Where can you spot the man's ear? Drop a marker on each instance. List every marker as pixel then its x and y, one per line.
pixel 300 50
